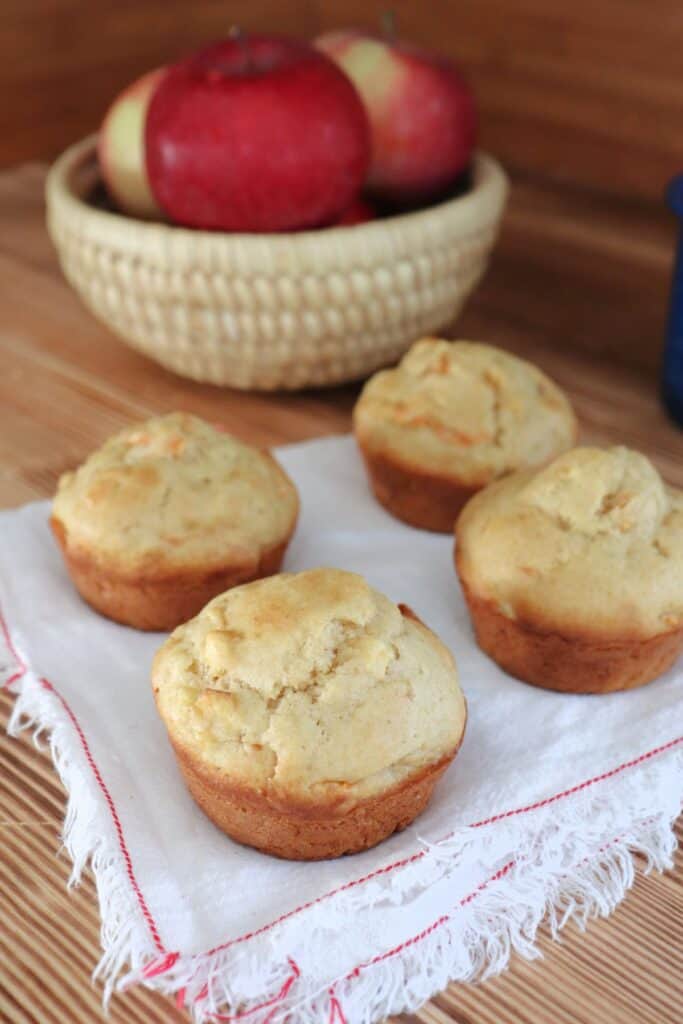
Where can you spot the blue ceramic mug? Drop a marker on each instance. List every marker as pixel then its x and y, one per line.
pixel 672 381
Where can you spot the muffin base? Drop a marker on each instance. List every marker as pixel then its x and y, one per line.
pixel 162 602
pixel 414 495
pixel 313 832
pixel 572 664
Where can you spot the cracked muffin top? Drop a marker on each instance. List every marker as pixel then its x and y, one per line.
pixel 175 492
pixel 309 688
pixel 464 410
pixel 592 544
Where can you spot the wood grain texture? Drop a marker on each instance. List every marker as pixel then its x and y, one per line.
pixel 587 93
pixel 583 93
pixel 66 384
pixel 84 51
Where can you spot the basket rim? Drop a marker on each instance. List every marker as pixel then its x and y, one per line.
pixel 489 190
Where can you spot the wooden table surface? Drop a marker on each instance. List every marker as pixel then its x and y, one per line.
pixel 574 284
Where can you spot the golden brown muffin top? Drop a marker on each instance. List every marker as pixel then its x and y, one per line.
pixel 309 687
pixel 175 492
pixel 466 410
pixel 591 544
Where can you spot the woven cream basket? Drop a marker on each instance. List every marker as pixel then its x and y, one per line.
pixel 272 311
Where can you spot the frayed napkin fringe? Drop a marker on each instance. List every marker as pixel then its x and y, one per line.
pixel 88 834
pixel 565 859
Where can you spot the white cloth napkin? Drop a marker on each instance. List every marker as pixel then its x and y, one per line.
pixel 539 813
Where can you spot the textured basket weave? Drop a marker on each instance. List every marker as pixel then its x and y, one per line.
pixel 272 311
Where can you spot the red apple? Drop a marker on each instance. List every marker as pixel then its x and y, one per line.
pixel 358 212
pixel 258 133
pixel 421 111
pixel 121 150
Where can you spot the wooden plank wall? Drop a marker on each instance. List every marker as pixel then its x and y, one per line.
pixel 588 93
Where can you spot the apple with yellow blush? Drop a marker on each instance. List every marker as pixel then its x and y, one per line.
pixel 121 149
pixel 422 114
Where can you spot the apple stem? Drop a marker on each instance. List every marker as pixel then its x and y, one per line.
pixel 388 23
pixel 240 37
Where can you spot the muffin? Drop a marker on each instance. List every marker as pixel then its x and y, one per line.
pixel 310 716
pixel 449 419
pixel 166 515
pixel 574 575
